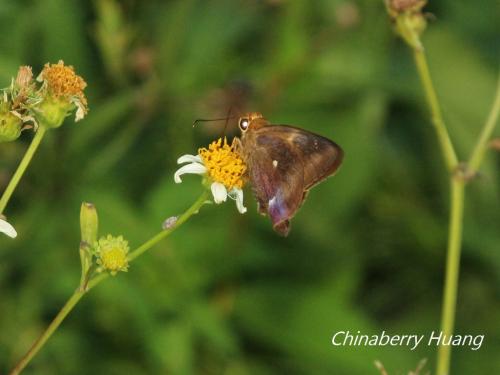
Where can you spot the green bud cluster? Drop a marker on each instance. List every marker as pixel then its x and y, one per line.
pixel 409 21
pixel 106 254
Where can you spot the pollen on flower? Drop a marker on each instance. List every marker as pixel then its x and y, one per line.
pixel 62 81
pixel 224 164
pixel 111 254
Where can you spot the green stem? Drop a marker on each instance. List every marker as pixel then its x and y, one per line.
pixel 482 143
pixel 457 187
pixel 458 179
pixel 452 272
pixel 446 145
pixel 38 344
pixel 22 167
pixel 79 293
pixel 180 220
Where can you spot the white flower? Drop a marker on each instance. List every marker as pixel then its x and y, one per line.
pixel 222 166
pixel 7 228
pixel 195 166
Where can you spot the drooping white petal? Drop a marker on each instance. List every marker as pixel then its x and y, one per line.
pixel 238 197
pixel 194 168
pixel 8 229
pixel 189 159
pixel 219 192
pixel 80 110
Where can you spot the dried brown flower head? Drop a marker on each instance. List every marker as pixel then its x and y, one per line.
pixel 62 82
pixel 24 77
pixel 401 6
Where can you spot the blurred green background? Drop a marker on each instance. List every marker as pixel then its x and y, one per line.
pixel 225 294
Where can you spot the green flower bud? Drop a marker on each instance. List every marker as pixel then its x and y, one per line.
pixel 10 126
pixel 112 254
pixel 89 223
pixel 410 27
pixel 88 226
pixel 409 20
pixel 52 111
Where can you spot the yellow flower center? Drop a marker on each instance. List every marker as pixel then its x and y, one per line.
pixel 114 259
pixel 224 164
pixel 112 253
pixel 63 81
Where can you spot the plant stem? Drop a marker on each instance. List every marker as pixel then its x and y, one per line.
pixel 79 293
pixel 446 145
pixel 182 218
pixel 482 143
pixel 457 191
pixel 22 167
pixel 452 272
pixel 455 237
pixel 38 344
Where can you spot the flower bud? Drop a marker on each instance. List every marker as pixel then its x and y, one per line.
pixel 88 223
pixel 417 22
pixel 10 126
pixel 396 7
pixel 112 254
pixel 24 77
pixel 52 112
pixel 409 20
pixel 16 104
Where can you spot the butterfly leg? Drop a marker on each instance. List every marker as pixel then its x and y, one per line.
pixel 237 146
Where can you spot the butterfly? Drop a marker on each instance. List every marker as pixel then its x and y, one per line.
pixel 284 162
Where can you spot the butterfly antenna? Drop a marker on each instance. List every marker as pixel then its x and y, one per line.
pixel 210 119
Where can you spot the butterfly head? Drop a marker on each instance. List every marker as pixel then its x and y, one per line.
pixel 251 120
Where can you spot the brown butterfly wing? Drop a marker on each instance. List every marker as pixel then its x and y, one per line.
pixel 284 162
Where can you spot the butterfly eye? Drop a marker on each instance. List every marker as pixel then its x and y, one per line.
pixel 244 124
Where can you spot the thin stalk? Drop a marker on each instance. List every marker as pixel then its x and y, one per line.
pixel 38 344
pixel 445 143
pixel 79 293
pixel 457 188
pixel 22 168
pixel 181 219
pixel 482 143
pixel 452 273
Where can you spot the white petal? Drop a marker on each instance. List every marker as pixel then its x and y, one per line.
pixel 238 193
pixel 189 159
pixel 80 110
pixel 219 192
pixel 8 229
pixel 194 168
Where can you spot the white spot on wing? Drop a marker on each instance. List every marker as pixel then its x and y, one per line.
pixel 272 201
pixel 275 163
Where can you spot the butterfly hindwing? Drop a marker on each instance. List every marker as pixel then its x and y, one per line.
pixel 284 162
